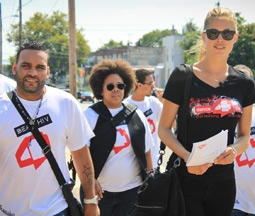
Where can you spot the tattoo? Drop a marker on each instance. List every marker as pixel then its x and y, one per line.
pixel 89 181
pixel 87 171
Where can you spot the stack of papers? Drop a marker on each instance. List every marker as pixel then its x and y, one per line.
pixel 208 150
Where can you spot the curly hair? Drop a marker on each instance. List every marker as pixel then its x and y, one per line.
pixel 107 67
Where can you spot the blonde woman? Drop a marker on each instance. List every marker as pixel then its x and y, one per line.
pixel 220 97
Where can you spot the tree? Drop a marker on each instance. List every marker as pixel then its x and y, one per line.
pixel 190 41
pixel 155 38
pixel 52 31
pixel 190 27
pixel 111 44
pixel 244 49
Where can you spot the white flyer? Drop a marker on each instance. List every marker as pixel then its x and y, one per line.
pixel 208 150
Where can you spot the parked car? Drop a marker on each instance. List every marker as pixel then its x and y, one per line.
pixel 87 96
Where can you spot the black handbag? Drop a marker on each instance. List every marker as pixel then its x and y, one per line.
pixel 161 194
pixel 75 207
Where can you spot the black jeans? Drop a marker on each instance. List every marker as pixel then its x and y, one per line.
pixel 63 213
pixel 237 212
pixel 208 198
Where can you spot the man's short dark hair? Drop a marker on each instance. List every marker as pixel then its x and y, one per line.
pixel 33 45
pixel 141 75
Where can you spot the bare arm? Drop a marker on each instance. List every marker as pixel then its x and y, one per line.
pixel 243 138
pixel 165 133
pixel 166 121
pixel 85 170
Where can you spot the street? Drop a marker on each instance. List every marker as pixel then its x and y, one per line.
pixel 84 105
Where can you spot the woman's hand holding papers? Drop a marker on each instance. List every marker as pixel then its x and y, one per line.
pixel 199 170
pixel 226 157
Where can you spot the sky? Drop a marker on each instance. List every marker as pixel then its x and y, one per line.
pixel 120 20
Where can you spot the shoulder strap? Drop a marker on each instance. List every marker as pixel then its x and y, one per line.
pixel 176 160
pixel 103 111
pixel 48 154
pixel 105 131
pixel 186 101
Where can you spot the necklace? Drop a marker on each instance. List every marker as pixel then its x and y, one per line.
pixel 30 120
pixel 214 79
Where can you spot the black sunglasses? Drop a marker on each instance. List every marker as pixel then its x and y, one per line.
pixel 111 86
pixel 213 34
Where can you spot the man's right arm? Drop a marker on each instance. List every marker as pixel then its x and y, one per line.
pixel 85 170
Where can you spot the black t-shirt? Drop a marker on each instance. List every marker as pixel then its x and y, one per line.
pixel 211 110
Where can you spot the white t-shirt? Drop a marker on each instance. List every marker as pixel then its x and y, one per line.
pixel 121 171
pixel 152 108
pixel 6 84
pixel 28 184
pixel 245 175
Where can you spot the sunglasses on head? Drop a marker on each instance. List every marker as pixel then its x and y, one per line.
pixel 226 34
pixel 111 86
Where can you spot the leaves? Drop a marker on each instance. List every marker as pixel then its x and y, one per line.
pixel 244 49
pixel 52 31
pixel 155 38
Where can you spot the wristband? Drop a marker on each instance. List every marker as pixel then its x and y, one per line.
pixel 91 201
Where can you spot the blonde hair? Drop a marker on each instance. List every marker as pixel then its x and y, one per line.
pixel 217 13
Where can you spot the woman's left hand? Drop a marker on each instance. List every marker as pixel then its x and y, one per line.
pixel 226 157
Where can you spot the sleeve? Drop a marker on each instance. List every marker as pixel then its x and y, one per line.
pixel 174 90
pixel 80 132
pixel 250 92
pixel 91 117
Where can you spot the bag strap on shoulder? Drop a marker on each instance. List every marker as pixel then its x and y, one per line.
pixel 48 154
pixel 103 111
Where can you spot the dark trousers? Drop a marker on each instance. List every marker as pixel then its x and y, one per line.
pixel 237 212
pixel 208 198
pixel 63 213
pixel 116 203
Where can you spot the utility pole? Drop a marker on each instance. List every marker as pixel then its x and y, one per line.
pixel 72 49
pixel 20 23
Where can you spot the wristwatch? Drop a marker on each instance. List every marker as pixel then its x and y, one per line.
pixel 91 201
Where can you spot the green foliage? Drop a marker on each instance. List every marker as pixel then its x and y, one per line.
pixel 244 49
pixel 111 44
pixel 52 31
pixel 190 42
pixel 189 46
pixel 155 38
pixel 190 27
pixel 240 20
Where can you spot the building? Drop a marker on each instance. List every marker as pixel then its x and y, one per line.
pixel 160 60
pixel 174 56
